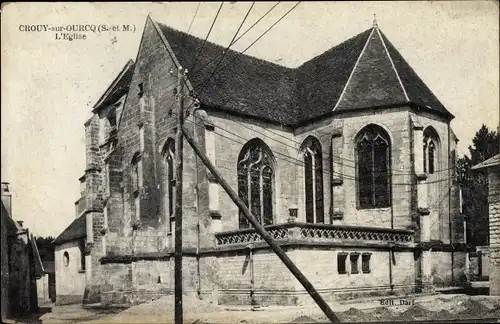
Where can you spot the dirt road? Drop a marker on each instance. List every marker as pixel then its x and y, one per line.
pixel 456 308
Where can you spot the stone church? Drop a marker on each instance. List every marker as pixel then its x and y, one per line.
pixel 348 160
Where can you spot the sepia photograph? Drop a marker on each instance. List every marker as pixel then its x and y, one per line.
pixel 250 162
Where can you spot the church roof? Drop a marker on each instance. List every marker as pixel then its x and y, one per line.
pixel 77 229
pixel 118 87
pixel 362 72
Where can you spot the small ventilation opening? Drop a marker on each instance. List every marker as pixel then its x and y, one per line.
pixel 141 90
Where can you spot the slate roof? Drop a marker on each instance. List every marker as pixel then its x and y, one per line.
pixel 248 85
pixel 77 229
pixel 493 161
pixel 254 87
pixel 417 90
pixel 118 87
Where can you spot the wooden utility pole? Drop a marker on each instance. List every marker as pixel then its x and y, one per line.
pixel 178 197
pixel 263 233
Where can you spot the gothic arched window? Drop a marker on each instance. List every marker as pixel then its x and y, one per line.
pixel 255 181
pixel 169 184
pixel 373 168
pixel 313 179
pixel 430 149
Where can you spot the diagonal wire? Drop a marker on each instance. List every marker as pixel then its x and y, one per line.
pixel 285 157
pixel 258 38
pixel 192 20
pixel 274 139
pixel 381 262
pixel 227 48
pixel 205 66
pixel 208 34
pixel 255 23
pixel 248 47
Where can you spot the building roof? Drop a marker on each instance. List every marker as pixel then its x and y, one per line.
pixel 76 230
pixel 118 87
pixel 362 72
pixel 493 161
pixel 39 270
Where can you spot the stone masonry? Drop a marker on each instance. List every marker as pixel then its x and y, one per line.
pixel 414 244
pixel 494 221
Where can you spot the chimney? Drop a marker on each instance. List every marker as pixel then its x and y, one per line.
pixel 7 198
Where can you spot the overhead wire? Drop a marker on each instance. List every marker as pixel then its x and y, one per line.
pixel 206 37
pixel 299 162
pixel 275 133
pixel 192 20
pixel 207 64
pixel 227 48
pixel 401 171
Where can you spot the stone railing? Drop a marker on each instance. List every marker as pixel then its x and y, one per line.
pixel 318 232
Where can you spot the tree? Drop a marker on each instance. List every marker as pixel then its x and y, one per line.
pixel 45 248
pixel 474 184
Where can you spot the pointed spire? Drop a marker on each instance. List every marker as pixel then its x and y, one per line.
pixel 375 24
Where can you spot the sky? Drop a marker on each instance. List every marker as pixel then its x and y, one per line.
pixel 49 86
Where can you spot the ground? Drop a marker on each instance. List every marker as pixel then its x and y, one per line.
pixel 441 307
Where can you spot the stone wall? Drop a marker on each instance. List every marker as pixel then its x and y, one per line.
pixel 71 279
pixel 136 222
pixel 285 146
pixel 441 268
pixel 133 282
pixel 42 289
pixel 494 221
pixel 19 294
pixel 275 284
pixel 131 228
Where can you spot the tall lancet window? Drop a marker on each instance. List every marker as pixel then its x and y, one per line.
pixel 256 181
pixel 136 177
pixel 430 150
pixel 373 168
pixel 313 179
pixel 169 184
pixel 136 172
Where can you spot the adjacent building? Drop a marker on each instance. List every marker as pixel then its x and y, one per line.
pixel 347 160
pixel 492 166
pixel 70 262
pixel 46 284
pixel 21 264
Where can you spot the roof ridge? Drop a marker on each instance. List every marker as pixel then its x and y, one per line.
pixel 223 48
pixel 410 86
pixel 334 47
pixel 392 63
pixel 297 94
pixel 354 68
